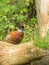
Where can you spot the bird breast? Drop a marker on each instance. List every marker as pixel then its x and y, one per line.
pixel 14 37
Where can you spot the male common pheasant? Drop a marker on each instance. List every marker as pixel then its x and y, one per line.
pixel 15 37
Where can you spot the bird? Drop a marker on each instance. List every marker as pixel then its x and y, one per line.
pixel 15 37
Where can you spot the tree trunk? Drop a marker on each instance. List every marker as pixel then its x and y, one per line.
pixel 42 7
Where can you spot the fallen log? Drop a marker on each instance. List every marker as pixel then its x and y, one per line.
pixel 11 54
pixel 43 61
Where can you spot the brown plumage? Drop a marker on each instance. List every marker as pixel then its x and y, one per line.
pixel 15 37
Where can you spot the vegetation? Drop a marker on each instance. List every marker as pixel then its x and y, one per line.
pixel 13 11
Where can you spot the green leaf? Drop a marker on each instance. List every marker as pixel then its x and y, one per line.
pixel 8 1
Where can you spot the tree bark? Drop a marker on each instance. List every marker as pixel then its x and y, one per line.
pixel 11 54
pixel 42 7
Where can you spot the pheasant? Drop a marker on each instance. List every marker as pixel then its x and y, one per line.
pixel 15 37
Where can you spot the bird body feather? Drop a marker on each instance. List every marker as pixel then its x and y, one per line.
pixel 14 37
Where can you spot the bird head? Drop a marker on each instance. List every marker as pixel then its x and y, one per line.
pixel 21 26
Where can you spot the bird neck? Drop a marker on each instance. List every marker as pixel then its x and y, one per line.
pixel 20 30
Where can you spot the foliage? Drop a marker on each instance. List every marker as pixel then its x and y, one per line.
pixel 13 11
pixel 42 42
